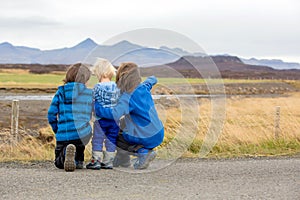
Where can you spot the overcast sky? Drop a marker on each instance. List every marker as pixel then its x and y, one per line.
pixel 256 28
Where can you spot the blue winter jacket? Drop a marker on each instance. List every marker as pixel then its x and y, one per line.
pixel 141 119
pixel 70 112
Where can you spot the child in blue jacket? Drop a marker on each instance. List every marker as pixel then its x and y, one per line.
pixel 142 129
pixel 69 116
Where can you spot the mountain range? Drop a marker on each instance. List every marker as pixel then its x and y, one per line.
pixel 88 50
pixel 223 66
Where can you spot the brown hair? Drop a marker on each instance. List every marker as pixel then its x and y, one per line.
pixel 128 77
pixel 78 73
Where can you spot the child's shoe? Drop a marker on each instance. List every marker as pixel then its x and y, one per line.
pixel 122 159
pixel 108 158
pixel 94 164
pixel 79 164
pixel 95 161
pixel 69 164
pixel 144 159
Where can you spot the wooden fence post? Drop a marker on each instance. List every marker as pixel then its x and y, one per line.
pixel 14 119
pixel 277 122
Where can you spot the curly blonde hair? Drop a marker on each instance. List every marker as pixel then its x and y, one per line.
pixel 128 77
pixel 103 69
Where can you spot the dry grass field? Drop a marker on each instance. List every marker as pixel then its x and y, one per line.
pixel 251 127
pixel 248 130
pixel 238 126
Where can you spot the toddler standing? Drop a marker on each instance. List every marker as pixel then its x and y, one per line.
pixel 106 130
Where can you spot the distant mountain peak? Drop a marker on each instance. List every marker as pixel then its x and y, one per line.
pixel 86 43
pixel 274 63
pixel 125 43
pixel 7 44
pixel 122 42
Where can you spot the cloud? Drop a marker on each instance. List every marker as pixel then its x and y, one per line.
pixel 27 22
pixel 232 26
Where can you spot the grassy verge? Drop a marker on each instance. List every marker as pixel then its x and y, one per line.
pixel 39 149
pixel 267 148
pixel 248 130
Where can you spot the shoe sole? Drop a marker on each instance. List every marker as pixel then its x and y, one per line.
pixel 94 168
pixel 69 164
pixel 151 156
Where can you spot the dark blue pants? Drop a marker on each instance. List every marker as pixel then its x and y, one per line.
pixel 105 131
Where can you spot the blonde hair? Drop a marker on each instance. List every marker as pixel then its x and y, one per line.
pixel 128 77
pixel 77 73
pixel 103 69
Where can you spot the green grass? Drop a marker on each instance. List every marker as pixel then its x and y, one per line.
pixel 36 80
pixel 29 80
pixel 56 79
pixel 273 147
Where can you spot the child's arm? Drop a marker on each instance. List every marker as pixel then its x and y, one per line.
pixel 116 112
pixel 52 113
pixel 150 81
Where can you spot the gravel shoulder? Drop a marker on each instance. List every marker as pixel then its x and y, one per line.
pixel 276 178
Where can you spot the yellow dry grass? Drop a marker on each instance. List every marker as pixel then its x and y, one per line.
pixel 252 120
pixel 15 71
pixel 26 147
pixel 248 127
pixel 248 130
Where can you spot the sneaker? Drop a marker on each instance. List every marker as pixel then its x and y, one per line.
pixel 144 160
pixel 94 164
pixel 79 164
pixel 69 164
pixel 106 166
pixel 122 159
pixel 108 158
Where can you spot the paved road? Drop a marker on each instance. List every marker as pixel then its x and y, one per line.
pixel 185 179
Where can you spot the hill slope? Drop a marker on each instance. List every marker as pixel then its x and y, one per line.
pixel 214 66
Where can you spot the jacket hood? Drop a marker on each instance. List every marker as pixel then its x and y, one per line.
pixel 70 91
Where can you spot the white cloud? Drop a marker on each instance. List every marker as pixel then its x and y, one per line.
pixel 249 28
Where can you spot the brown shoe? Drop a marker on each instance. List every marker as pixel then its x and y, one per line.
pixel 70 164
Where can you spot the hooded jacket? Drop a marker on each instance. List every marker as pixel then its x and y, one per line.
pixel 143 125
pixel 70 112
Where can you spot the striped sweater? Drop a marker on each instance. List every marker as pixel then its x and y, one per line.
pixel 70 112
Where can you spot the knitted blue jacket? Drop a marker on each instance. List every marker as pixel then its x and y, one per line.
pixel 70 112
pixel 141 119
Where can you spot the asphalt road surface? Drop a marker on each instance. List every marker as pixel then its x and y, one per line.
pixel 185 179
